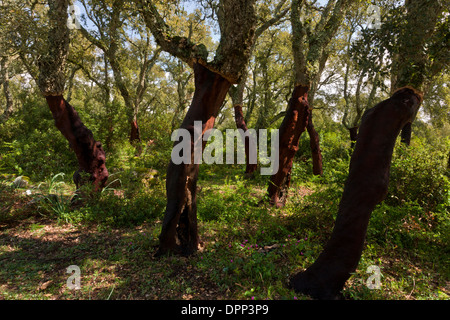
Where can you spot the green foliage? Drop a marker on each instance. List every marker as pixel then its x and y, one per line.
pixel 336 154
pixel 31 144
pixel 248 248
pixel 419 173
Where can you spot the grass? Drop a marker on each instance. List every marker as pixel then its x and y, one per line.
pixel 248 248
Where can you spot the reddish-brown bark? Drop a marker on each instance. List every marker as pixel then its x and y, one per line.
pixel 240 124
pixel 293 125
pixel 179 230
pixel 366 186
pixel 90 154
pixel 134 131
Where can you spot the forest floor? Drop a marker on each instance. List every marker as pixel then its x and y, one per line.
pixel 248 251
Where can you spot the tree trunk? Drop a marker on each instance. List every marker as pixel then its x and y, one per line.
pixel 90 154
pixel 366 186
pixel 293 125
pixel 51 82
pixel 412 60
pixel 4 73
pixel 353 136
pixel 448 161
pixel 250 168
pixel 135 135
pixel 179 230
pixel 406 134
pixel 314 143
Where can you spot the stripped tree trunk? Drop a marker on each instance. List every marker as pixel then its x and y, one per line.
pixel 366 186
pixel 293 125
pixel 134 131
pixel 213 79
pixel 179 230
pixel 367 182
pixel 90 154
pixel 296 119
pixel 51 82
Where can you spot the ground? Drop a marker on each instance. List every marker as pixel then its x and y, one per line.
pixel 248 251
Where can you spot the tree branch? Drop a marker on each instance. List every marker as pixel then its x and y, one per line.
pixel 180 47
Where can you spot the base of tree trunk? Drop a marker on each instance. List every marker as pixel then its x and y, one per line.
pixel 366 186
pixel 90 154
pixel 293 125
pixel 179 233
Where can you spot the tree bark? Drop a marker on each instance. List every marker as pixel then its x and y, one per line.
pixel 51 82
pixel 406 134
pixel 366 186
pixel 293 125
pixel 250 168
pixel 307 68
pixel 134 132
pixel 179 230
pixel 4 73
pixel 353 136
pixel 90 154
pixel 314 143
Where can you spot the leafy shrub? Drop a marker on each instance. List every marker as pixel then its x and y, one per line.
pixel 32 145
pixel 335 145
pixel 418 173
